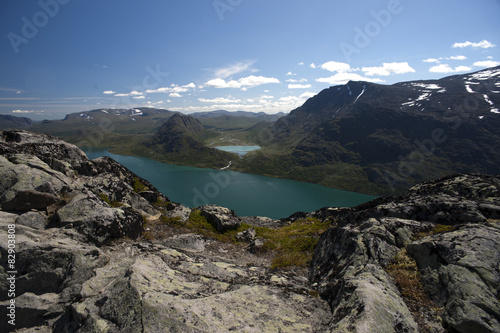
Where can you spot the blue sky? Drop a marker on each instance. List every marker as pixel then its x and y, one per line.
pixel 63 56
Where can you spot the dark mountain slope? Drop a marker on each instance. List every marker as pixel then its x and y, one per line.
pixel 179 140
pixel 384 138
pixel 7 121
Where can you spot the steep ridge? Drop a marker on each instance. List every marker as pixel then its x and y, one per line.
pixel 382 139
pixel 99 249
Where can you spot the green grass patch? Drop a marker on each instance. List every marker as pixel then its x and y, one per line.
pixel 161 202
pixel 139 186
pixel 105 198
pixel 438 229
pixel 404 271
pixel 294 243
pixel 198 223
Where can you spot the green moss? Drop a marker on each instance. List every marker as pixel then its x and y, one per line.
pixel 176 220
pixel 161 202
pixel 105 198
pixel 114 204
pixel 438 229
pixel 138 186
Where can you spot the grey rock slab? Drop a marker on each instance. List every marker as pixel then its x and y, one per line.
pixel 460 271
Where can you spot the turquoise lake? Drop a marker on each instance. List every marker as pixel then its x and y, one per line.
pixel 246 194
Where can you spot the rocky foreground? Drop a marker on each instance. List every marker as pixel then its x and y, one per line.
pixel 98 249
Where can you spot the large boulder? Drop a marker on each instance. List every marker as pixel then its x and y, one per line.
pixel 220 217
pixel 90 216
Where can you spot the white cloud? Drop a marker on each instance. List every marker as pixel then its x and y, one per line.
pixel 486 63
pixel 122 95
pixel 221 83
pixel 459 57
pixel 219 100
pixel 291 74
pixel 445 68
pixel 139 97
pixel 431 60
pixel 266 97
pixel 27 111
pixel 252 80
pixel 484 44
pixel 109 92
pixel 301 63
pixel 233 69
pixel 159 90
pixel 135 93
pixel 388 69
pixel 343 78
pixel 334 66
pixel 299 86
pixel 307 94
pixel 249 81
pixel 313 65
pixel 172 89
pixel 174 94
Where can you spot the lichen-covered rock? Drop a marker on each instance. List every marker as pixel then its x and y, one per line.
pixel 170 291
pixel 220 217
pixel 100 223
pixel 34 220
pixel 187 242
pixel 347 267
pixel 458 263
pixel 461 272
pixel 246 236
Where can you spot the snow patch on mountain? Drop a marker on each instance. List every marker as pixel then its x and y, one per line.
pixel 427 86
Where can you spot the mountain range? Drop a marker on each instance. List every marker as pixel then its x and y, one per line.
pixel 360 136
pixel 387 136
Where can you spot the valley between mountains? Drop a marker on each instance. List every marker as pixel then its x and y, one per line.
pixel 362 137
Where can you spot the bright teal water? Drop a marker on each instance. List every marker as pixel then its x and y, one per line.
pixel 246 194
pixel 240 150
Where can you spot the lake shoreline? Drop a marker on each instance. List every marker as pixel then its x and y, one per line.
pixel 246 194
